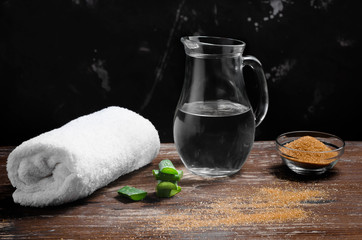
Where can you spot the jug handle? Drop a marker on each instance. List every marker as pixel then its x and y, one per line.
pixel 263 103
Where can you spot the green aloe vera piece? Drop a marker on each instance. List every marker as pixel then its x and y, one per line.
pixel 167 167
pixel 167 189
pixel 132 193
pixel 167 177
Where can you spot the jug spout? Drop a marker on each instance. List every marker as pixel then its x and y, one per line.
pixel 189 44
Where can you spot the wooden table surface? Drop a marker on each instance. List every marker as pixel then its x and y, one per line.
pixel 195 212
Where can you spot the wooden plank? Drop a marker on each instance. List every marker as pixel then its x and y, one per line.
pixel 335 214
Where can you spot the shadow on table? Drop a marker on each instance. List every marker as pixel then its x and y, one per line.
pixel 281 171
pixel 150 198
pixel 9 209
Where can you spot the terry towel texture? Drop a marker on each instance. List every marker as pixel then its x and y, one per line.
pixel 88 153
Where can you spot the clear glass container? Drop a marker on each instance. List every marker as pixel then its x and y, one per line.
pixel 310 162
pixel 214 123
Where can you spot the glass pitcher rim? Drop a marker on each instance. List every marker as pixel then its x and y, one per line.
pixel 195 39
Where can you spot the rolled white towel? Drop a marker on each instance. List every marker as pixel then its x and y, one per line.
pixel 88 153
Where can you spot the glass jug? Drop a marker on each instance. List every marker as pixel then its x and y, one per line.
pixel 214 123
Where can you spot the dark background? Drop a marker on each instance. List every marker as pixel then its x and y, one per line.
pixel 62 59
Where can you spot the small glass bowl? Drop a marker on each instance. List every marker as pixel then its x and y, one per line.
pixel 305 165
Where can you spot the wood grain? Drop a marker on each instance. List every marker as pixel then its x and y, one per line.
pixel 105 215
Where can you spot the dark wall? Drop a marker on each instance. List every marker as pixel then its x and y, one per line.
pixel 61 59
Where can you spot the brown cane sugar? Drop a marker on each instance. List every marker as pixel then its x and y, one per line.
pixel 309 150
pixel 264 205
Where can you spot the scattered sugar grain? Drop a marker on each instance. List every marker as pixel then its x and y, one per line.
pixel 267 205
